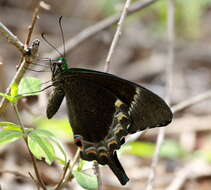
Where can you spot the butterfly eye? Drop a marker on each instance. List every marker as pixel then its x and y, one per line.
pixel 59 62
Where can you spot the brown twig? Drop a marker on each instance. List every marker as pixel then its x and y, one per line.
pixel 191 101
pixel 97 173
pixel 117 34
pixel 192 170
pixel 11 38
pixel 63 176
pixel 31 27
pixel 35 181
pixel 16 173
pixel 69 176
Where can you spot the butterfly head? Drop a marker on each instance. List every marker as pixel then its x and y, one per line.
pixel 58 67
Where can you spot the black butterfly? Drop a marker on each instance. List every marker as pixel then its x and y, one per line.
pixel 102 110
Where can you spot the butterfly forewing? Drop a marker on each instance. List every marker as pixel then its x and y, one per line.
pixel 146 108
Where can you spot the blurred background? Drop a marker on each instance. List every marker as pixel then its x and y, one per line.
pixel 141 56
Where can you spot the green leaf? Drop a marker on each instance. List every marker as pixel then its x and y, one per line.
pixel 14 90
pixel 40 147
pixel 59 127
pixel 171 149
pixel 82 163
pixel 8 124
pixel 8 136
pixel 143 149
pixel 29 86
pixel 55 140
pixel 85 180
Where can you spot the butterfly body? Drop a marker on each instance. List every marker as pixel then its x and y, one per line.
pixel 102 110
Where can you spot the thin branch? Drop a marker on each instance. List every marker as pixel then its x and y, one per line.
pixel 97 173
pixel 11 38
pixel 169 76
pixel 39 179
pixel 117 34
pixel 63 176
pixel 35 181
pixel 91 31
pixel 16 173
pixel 31 27
pixel 192 170
pixel 69 176
pixel 191 101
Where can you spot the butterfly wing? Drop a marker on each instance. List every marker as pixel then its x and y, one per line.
pixel 146 108
pixel 104 108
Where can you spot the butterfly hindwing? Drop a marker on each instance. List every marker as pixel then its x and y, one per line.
pixel 117 168
pixel 90 108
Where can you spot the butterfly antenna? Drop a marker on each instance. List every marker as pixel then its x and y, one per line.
pixel 62 34
pixel 46 82
pixel 38 71
pixel 37 64
pixel 50 44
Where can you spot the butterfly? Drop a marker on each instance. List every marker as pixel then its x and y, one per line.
pixel 102 110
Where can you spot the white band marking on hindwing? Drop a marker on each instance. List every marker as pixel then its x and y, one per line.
pixel 135 100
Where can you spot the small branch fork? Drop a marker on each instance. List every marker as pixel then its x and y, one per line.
pixel 29 54
pixel 11 38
